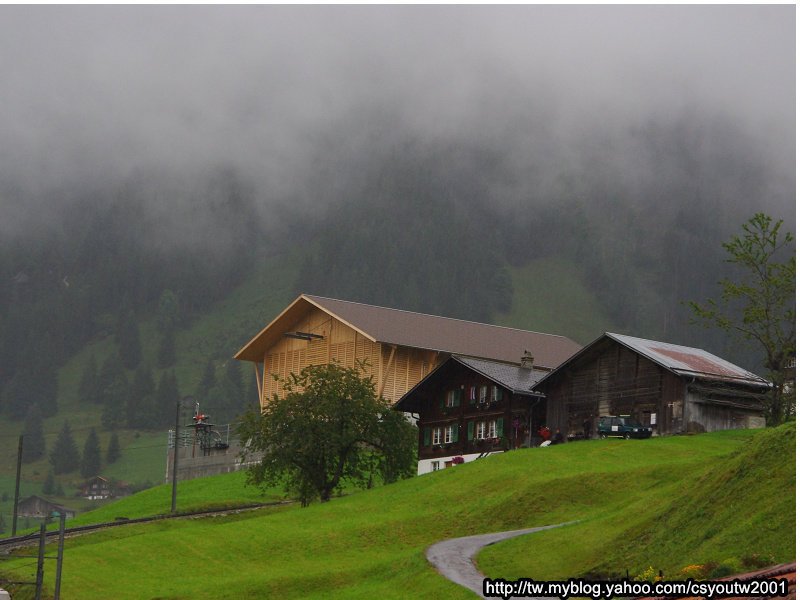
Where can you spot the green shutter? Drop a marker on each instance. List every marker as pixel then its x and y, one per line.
pixel 426 436
pixel 472 394
pixel 457 397
pixel 455 433
pixel 470 430
pixel 441 402
pixel 500 431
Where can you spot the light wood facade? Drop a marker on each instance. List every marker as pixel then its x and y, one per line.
pixel 395 369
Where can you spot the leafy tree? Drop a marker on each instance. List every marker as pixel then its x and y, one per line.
pixel 49 485
pixel 65 456
pixel 90 460
pixel 33 447
pixel 759 306
pixel 329 428
pixel 113 453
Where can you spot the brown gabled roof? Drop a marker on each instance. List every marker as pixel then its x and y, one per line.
pixel 417 330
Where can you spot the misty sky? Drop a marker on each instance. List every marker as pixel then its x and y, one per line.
pixel 98 94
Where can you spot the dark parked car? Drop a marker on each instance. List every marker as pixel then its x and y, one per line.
pixel 622 426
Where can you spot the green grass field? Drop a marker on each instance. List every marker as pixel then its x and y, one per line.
pixel 688 499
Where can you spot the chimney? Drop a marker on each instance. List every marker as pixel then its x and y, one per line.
pixel 526 362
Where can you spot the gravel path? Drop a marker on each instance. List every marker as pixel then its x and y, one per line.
pixel 453 558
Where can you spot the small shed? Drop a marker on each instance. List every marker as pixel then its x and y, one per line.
pixel 39 508
pixel 672 388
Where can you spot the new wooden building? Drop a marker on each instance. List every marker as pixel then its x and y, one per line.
pixel 469 407
pixel 674 389
pixel 399 347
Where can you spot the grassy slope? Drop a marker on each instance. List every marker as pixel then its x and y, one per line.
pixel 220 333
pixel 723 512
pixel 372 544
pixel 549 296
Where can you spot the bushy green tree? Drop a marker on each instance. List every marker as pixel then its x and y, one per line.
pixel 114 389
pixel 65 456
pixel 329 428
pixel 90 459
pixel 758 307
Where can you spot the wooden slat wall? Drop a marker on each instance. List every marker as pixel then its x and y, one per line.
pixel 345 346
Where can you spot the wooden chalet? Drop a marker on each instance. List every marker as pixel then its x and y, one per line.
pixel 470 407
pixel 673 389
pixel 399 347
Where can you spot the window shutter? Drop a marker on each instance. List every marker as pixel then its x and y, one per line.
pixel 470 430
pixel 500 430
pixel 426 436
pixel 441 402
pixel 455 432
pixel 472 394
pixel 457 397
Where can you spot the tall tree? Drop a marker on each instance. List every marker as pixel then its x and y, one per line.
pixel 759 305
pixel 90 460
pixel 165 355
pixel 34 446
pixel 65 456
pixel 329 428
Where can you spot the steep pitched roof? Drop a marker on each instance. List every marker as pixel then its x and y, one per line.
pixel 418 330
pixel 513 377
pixel 683 361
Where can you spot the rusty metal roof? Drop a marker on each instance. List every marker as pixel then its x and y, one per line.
pixel 683 360
pixel 418 330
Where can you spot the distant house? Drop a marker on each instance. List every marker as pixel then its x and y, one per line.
pixel 100 488
pixel 399 347
pixel 674 389
pixel 469 407
pixel 39 508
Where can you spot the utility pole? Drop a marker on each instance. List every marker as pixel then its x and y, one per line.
pixel 40 563
pixel 175 457
pixel 16 488
pixel 60 559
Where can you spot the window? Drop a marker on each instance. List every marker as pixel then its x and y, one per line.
pixel 497 393
pixel 453 398
pixel 448 434
pixel 480 432
pixel 483 394
pixel 472 394
pixel 437 435
pixel 491 429
pixel 435 465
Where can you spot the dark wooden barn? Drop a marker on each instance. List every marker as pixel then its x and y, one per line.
pixel 673 389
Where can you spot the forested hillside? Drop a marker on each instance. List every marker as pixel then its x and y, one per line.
pixel 436 227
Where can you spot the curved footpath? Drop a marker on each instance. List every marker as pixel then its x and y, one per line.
pixel 453 558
